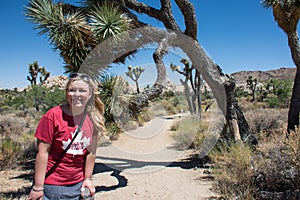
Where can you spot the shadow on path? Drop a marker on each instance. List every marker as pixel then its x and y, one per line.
pixel 118 165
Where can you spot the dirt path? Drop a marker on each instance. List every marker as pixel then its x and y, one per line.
pixel 145 164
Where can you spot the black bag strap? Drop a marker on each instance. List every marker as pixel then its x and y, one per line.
pixel 68 147
pixel 76 132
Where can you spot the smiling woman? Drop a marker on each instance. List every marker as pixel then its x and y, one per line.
pixel 66 134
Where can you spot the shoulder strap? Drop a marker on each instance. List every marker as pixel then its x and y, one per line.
pixel 76 131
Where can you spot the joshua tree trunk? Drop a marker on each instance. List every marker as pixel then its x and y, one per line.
pixel 293 116
pixel 188 96
pixel 198 84
pixel 235 117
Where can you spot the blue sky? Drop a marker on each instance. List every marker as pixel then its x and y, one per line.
pixel 237 36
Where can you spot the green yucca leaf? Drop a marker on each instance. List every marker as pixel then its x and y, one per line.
pixel 108 21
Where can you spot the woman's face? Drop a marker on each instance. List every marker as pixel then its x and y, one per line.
pixel 78 94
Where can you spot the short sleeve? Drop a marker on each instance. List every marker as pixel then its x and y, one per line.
pixel 45 129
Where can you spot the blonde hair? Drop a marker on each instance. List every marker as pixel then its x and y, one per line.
pixel 95 107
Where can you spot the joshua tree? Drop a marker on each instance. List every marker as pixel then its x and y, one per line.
pixel 34 71
pixel 252 83
pixel 73 31
pixel 287 13
pixel 134 73
pixel 195 82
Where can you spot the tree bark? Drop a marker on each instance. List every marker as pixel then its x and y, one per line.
pixel 198 83
pixel 158 60
pixel 236 120
pixel 187 95
pixel 294 110
pixel 231 115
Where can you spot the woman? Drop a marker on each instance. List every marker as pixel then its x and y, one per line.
pixel 64 166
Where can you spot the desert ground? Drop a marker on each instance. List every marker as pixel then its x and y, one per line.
pixel 142 164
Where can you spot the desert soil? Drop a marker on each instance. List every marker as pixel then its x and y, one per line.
pixel 141 164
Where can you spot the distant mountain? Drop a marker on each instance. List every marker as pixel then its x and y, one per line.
pixel 263 76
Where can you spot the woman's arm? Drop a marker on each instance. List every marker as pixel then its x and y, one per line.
pixel 37 190
pixel 89 165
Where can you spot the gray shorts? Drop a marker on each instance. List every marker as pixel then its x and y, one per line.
pixel 66 192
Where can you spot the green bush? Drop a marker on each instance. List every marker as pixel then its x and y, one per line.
pixel 143 117
pixel 38 97
pixel 113 130
pixel 279 93
pixel 52 98
pixel 273 102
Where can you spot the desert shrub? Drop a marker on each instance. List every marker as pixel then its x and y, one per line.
pixel 200 135
pixel 232 171
pixel 189 132
pixel 158 109
pixel 186 131
pixel 171 105
pixel 130 125
pixel 246 105
pixel 29 149
pixel 12 126
pixel 240 92
pixel 273 102
pixel 168 94
pixel 38 97
pixel 266 121
pixel 52 98
pixel 10 153
pixel 113 130
pixel 280 92
pixel 175 126
pixel 143 117
pixel 18 101
pixel 15 142
pixel 277 167
pixel 270 171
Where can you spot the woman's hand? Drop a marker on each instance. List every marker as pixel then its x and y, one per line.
pixel 88 183
pixel 35 195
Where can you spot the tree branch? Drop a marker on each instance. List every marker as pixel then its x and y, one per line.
pixel 188 11
pixel 164 14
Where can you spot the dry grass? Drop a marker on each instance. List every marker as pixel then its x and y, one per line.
pixel 189 132
pixel 185 131
pixel 17 143
pixel 270 171
pixel 266 121
pixel 277 166
pixel 232 170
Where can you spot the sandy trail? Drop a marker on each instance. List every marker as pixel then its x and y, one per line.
pixel 145 164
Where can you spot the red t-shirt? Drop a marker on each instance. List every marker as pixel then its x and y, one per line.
pixel 57 128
